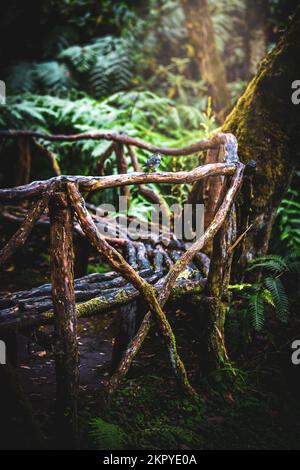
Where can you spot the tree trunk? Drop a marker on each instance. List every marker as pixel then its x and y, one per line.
pixel 266 124
pixel 65 322
pixel 256 46
pixel 214 355
pixel 202 38
pixel 24 162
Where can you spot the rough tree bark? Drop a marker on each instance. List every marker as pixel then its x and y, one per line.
pixel 266 124
pixel 65 321
pixel 202 38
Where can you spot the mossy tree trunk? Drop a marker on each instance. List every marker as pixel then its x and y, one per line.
pixel 202 38
pixel 266 124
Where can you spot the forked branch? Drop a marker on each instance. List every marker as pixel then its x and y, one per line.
pixel 116 260
pixel 173 274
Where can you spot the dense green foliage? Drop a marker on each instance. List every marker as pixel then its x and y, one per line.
pixel 106 436
pixel 288 219
pixel 270 290
pixel 149 414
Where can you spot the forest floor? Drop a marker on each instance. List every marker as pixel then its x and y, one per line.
pixel 257 408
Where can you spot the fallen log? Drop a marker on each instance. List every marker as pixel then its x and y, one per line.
pixel 28 316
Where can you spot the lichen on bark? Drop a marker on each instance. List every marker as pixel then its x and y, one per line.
pixel 266 124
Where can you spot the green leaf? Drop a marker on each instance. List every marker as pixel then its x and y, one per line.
pixel 256 308
pixel 281 303
pixel 106 436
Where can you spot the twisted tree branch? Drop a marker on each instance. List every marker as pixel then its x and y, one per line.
pixel 173 274
pixel 122 138
pixel 116 260
pixel 20 236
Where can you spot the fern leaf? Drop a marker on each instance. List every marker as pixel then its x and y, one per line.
pixel 256 308
pixel 281 303
pixel 20 77
pixel 81 58
pixel 53 77
pixel 106 436
pixel 273 263
pixel 267 297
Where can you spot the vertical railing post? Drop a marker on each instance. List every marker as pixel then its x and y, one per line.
pixel 216 300
pixel 122 169
pixel 65 324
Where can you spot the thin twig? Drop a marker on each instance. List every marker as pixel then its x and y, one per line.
pixel 231 248
pixel 20 236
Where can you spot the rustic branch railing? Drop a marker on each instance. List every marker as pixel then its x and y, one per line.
pixel 120 137
pixel 62 195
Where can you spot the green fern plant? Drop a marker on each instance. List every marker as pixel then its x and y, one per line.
pixel 81 58
pixel 106 436
pixel 270 290
pixel 25 111
pixel 20 78
pixel 45 77
pixel 288 217
pixel 112 71
pixel 101 68
pixel 226 16
pixel 157 120
pixel 53 77
pixel 165 436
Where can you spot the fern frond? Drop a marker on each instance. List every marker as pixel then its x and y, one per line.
pixel 53 77
pixel 256 309
pixel 281 303
pixel 20 78
pixel 81 58
pixel 289 217
pixel 106 436
pixel 274 263
pixel 267 297
pixel 112 70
